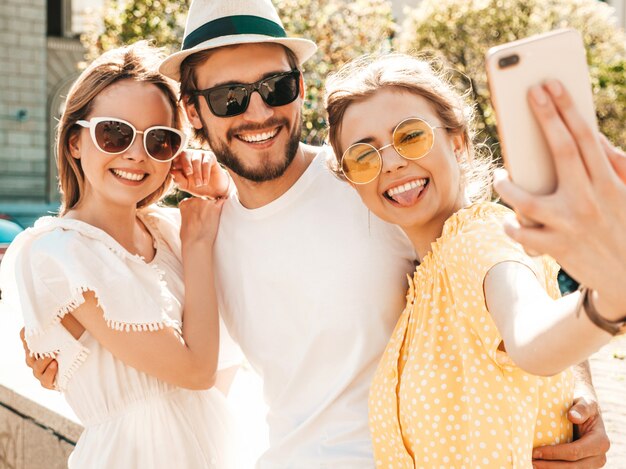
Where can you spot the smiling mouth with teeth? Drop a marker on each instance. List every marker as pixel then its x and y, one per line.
pixel 396 193
pixel 128 176
pixel 260 137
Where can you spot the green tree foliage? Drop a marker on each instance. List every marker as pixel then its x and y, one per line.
pixel 342 30
pixel 459 30
pixel 127 21
pixel 463 30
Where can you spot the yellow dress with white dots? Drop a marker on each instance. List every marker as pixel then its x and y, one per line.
pixel 444 395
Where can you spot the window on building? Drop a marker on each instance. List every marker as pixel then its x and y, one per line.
pixel 69 18
pixel 56 18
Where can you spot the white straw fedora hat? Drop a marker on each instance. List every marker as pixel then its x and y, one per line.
pixel 217 23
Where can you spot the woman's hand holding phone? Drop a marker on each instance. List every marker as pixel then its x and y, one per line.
pixel 513 69
pixel 583 223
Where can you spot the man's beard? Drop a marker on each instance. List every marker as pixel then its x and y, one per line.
pixel 268 171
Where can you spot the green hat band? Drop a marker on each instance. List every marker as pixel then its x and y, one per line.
pixel 231 25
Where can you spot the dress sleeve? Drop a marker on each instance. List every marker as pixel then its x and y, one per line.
pixel 45 276
pixel 35 287
pixel 478 244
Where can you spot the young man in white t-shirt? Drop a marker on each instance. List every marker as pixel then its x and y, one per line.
pixel 310 284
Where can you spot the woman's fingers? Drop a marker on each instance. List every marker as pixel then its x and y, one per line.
pixel 526 236
pixel 582 130
pixel 560 141
pixel 48 377
pixel 183 163
pixel 180 179
pixel 208 160
pixel 616 156
pixel 529 206
pixel 196 163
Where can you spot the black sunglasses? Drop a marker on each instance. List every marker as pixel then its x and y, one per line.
pixel 232 100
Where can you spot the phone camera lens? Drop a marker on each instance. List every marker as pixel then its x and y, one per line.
pixel 508 61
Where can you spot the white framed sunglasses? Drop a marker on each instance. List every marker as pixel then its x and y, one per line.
pixel 114 136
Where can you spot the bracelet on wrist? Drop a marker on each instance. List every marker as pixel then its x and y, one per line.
pixel 586 304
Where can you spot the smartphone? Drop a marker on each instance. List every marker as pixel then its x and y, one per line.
pixel 512 69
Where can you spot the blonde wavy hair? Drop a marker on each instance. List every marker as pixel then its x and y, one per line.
pixel 138 62
pixel 361 78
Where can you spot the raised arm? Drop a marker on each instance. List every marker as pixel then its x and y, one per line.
pixel 541 335
pixel 582 224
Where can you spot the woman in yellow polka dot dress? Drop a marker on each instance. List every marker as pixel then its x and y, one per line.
pixel 476 372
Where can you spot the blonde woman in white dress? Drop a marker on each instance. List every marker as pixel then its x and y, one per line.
pixel 104 286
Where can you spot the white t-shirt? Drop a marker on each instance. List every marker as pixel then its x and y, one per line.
pixel 311 286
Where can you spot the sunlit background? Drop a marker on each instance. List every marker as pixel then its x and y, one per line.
pixel 44 45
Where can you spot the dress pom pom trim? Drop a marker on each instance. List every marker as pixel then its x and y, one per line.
pixel 76 300
pixel 139 327
pixel 166 303
pixel 46 224
pixel 39 355
pixel 61 382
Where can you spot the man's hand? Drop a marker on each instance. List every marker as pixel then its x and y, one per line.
pixel 590 448
pixel 199 173
pixel 44 369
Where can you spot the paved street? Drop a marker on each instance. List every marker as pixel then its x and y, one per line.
pixel 609 374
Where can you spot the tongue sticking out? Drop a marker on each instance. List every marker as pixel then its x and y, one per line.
pixel 408 198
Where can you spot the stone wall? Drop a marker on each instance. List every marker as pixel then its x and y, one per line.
pixel 32 436
pixel 38 430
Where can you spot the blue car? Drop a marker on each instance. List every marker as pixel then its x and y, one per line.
pixel 8 231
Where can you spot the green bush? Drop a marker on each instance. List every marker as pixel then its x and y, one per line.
pixel 459 30
pixel 463 30
pixel 127 21
pixel 342 30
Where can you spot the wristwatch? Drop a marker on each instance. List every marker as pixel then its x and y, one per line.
pixel 612 327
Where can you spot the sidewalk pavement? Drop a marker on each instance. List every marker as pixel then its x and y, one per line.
pixel 608 368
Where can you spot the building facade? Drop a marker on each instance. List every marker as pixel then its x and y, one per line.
pixel 40 52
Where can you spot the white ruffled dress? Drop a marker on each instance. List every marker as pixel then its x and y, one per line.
pixel 131 419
